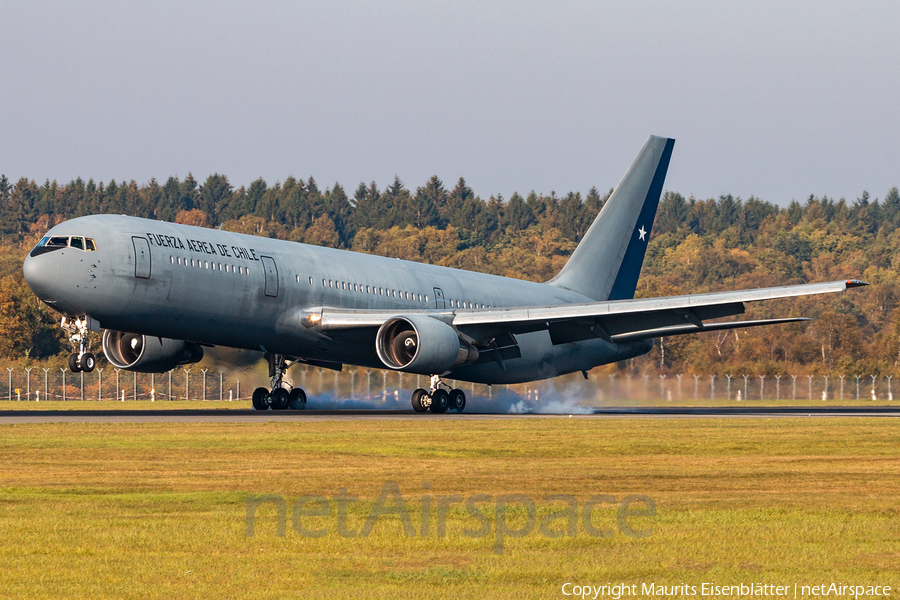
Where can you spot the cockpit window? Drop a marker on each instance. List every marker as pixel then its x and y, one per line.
pixel 49 244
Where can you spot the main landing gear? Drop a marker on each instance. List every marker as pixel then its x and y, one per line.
pixel 438 399
pixel 278 398
pixel 79 336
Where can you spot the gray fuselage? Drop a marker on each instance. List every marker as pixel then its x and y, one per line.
pixel 212 287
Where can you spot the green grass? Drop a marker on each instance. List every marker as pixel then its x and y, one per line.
pixel 113 405
pixel 158 510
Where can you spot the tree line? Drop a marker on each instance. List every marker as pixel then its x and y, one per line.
pixel 696 245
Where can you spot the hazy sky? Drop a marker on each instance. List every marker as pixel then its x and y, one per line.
pixel 774 99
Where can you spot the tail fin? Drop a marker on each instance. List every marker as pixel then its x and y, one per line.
pixel 607 262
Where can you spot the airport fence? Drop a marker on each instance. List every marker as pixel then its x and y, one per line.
pixel 390 387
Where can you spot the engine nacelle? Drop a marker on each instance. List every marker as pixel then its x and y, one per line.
pixel 148 354
pixel 421 344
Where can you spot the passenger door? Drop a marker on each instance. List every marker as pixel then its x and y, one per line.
pixel 141 257
pixel 271 275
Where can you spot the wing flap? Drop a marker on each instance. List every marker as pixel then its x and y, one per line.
pixel 686 329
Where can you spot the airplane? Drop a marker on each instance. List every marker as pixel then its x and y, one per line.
pixel 161 291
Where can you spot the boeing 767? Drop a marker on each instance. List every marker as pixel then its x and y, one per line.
pixel 160 292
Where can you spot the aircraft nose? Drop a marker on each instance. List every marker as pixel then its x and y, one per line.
pixel 40 275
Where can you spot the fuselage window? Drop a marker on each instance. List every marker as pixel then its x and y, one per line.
pixel 192 262
pixel 381 291
pixel 407 295
pixel 426 298
pixel 355 287
pixel 172 259
pixel 205 264
pixel 310 281
pixel 419 298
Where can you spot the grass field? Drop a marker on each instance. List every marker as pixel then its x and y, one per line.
pixel 128 405
pixel 159 510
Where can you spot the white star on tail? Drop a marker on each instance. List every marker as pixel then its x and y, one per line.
pixel 641 232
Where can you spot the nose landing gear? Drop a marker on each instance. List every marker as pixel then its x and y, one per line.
pixel 438 399
pixel 278 398
pixel 81 358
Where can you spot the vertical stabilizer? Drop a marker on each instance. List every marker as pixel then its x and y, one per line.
pixel 607 262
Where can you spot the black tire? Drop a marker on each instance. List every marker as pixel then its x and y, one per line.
pixel 279 399
pixel 297 399
pixel 73 363
pixel 420 400
pixel 260 398
pixel 87 362
pixel 440 401
pixel 457 400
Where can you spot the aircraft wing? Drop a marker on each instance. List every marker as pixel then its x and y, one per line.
pixel 615 321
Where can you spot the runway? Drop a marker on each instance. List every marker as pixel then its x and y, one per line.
pixel 252 416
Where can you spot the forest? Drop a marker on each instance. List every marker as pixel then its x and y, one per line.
pixel 696 245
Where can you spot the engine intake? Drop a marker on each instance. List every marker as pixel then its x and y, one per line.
pixel 421 344
pixel 148 354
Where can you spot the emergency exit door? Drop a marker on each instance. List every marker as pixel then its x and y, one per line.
pixel 439 298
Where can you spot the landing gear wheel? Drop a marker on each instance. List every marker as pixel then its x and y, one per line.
pixel 297 399
pixel 420 400
pixel 260 398
pixel 73 363
pixel 457 400
pixel 87 362
pixel 279 399
pixel 440 401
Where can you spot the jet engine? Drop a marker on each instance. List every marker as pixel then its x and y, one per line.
pixel 421 344
pixel 147 354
